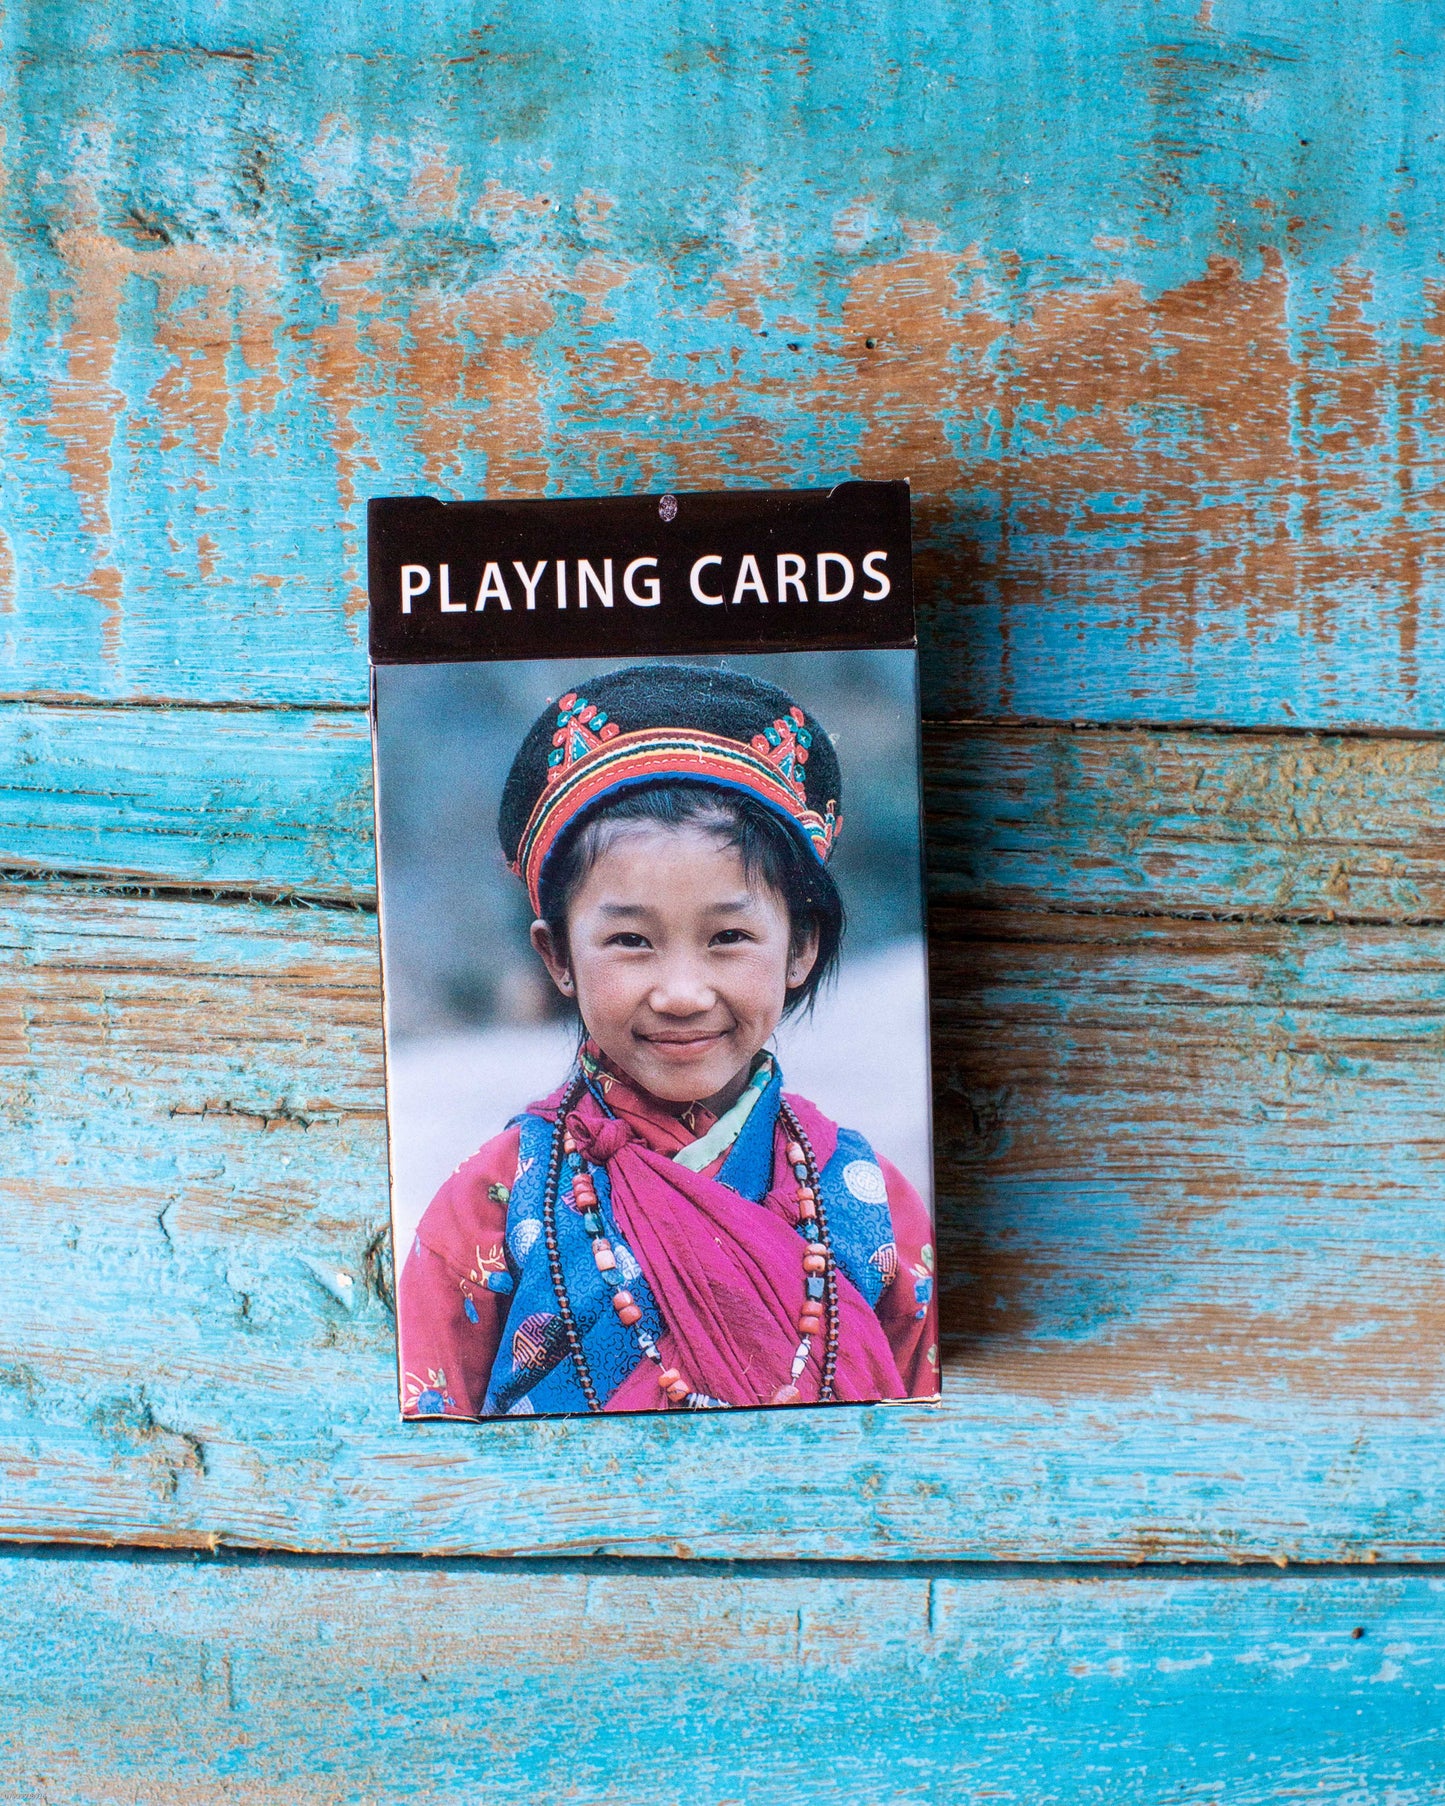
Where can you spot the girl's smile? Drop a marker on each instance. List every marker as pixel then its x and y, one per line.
pixel 680 963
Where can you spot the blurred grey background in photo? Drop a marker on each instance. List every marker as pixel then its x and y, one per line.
pixel 475 1029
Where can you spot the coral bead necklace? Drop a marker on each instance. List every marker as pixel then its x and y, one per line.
pixel 817 1316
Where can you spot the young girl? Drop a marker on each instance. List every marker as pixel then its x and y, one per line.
pixel 670 1229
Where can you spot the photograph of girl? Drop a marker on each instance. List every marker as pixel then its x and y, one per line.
pixel 671 1227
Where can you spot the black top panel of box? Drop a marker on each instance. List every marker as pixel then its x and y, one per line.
pixel 730 571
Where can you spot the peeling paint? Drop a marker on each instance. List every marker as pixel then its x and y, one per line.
pixel 1182 444
pixel 1147 301
pixel 197 330
pixel 1039 1688
pixel 1147 308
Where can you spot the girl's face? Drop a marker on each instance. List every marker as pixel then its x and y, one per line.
pixel 680 966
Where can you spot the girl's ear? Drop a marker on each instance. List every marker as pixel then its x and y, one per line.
pixel 802 959
pixel 553 958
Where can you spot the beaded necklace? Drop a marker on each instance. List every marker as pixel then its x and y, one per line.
pixel 819 1313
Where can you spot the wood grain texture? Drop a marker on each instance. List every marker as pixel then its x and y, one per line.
pixel 1189 1189
pixel 274 802
pixel 1252 826
pixel 1263 827
pixel 321 1685
pixel 1145 302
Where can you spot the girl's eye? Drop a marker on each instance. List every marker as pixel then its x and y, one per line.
pixel 730 937
pixel 629 941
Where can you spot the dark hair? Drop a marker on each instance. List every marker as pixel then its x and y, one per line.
pixel 769 849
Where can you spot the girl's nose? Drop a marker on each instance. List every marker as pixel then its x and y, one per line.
pixel 682 989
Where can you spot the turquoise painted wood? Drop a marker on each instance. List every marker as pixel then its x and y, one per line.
pixel 272 802
pixel 1155 1253
pixel 182 1682
pixel 1144 299
pixel 1294 827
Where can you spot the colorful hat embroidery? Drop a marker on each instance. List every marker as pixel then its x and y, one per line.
pixel 591 757
pixel 785 747
pixel 581 729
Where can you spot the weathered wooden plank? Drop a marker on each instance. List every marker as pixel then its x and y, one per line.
pixel 206 1682
pixel 1144 301
pixel 269 800
pixel 1289 826
pixel 1271 827
pixel 1189 1194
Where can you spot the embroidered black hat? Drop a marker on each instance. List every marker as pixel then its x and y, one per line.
pixel 649 723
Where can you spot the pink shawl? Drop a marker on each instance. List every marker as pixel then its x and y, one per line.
pixel 727 1273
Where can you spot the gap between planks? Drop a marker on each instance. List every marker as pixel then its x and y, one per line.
pixel 869 1569
pixel 1293 730
pixel 89 884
